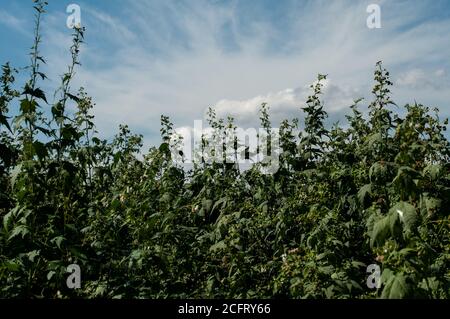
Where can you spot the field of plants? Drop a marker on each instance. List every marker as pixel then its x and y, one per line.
pixel 375 190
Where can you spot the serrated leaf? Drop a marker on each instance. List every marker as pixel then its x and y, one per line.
pixel 378 172
pixel 327 270
pixel 7 219
pixel 21 230
pixel 37 93
pixel 380 231
pixel 364 193
pixel 4 121
pixel 374 138
pixel 407 214
pixel 397 287
pixel 27 106
pixel 393 222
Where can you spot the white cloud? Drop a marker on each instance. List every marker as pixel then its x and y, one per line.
pixel 286 103
pixel 12 21
pixel 440 73
pixel 419 79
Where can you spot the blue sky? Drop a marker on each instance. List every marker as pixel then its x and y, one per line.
pixel 143 58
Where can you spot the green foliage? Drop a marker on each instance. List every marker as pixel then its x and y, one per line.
pixel 140 226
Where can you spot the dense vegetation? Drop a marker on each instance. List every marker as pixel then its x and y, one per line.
pixel 139 226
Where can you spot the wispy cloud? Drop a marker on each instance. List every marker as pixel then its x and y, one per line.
pixel 179 58
pixel 13 22
pixel 419 79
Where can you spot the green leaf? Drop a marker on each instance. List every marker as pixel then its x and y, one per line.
pixel 33 254
pixel 41 59
pixel 101 290
pixel 407 214
pixel 432 205
pixel 358 264
pixel 50 274
pixel 374 138
pixel 15 173
pixel 7 219
pixel 394 221
pixel 21 230
pixel 28 106
pixel 164 148
pixel 4 121
pixel 37 93
pixel 327 270
pixel 73 97
pixel 57 110
pixel 11 265
pixel 378 172
pixel 207 205
pixel 433 171
pixel 40 149
pixel 218 246
pixel 57 241
pixel 222 202
pixel 364 193
pixel 396 287
pixel 404 181
pixel 380 232
pixel 42 75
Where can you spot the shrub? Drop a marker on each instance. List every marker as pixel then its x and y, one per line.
pixel 139 226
